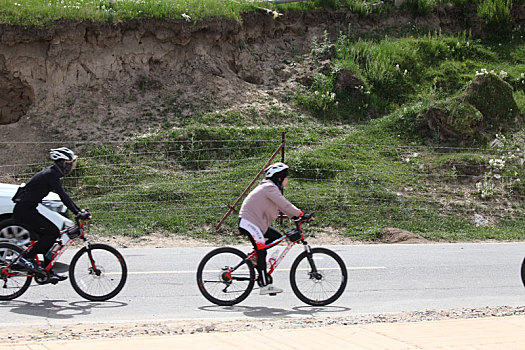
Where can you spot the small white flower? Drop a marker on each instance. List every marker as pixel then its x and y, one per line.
pixel 186 17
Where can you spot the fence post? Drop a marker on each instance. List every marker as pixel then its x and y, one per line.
pixel 232 207
pixel 283 143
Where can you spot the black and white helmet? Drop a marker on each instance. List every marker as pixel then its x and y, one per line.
pixel 275 168
pixel 62 153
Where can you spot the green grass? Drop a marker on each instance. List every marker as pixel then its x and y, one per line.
pixel 356 182
pixel 44 12
pixel 398 70
pixel 38 12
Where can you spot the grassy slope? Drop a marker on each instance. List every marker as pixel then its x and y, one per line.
pixel 184 182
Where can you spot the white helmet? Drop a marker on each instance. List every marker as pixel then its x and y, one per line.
pixel 61 153
pixel 274 169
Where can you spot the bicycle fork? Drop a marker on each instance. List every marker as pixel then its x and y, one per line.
pixel 314 274
pixel 93 269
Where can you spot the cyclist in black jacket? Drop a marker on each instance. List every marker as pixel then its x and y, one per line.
pixel 43 231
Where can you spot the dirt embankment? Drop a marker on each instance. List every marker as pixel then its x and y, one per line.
pixel 92 81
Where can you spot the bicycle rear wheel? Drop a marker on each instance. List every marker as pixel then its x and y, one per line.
pixel 98 273
pixel 319 280
pixel 15 282
pixel 223 278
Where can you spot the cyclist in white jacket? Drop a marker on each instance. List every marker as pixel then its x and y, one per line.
pixel 259 209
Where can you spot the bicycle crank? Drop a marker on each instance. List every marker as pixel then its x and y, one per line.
pixel 42 277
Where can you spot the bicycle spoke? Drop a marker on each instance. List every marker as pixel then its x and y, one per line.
pixel 217 280
pixel 323 286
pixel 13 283
pixel 99 277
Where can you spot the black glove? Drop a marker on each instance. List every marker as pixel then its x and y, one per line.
pixel 304 217
pixel 307 217
pixel 84 214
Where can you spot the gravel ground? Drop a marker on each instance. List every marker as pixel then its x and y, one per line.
pixel 15 334
pixel 324 236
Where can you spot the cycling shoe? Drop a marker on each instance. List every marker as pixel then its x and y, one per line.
pixel 54 278
pixel 29 265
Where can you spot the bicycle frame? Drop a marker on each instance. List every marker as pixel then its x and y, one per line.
pixel 63 248
pixel 275 262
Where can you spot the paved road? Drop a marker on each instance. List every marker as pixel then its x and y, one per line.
pixel 382 278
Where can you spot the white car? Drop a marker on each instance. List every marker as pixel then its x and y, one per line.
pixel 51 207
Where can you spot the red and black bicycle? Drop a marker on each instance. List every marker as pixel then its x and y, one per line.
pixel 318 276
pixel 97 272
pixel 523 272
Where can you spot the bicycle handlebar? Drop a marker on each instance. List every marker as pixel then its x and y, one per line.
pixel 304 218
pixel 83 215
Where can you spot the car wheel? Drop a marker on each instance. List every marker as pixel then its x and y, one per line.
pixel 14 233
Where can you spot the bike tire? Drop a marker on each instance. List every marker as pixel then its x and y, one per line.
pixel 100 279
pixel 324 288
pixel 214 283
pixel 523 272
pixel 12 285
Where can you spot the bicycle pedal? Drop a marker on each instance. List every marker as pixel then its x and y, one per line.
pixel 272 294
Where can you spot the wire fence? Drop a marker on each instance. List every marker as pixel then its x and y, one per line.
pixel 187 186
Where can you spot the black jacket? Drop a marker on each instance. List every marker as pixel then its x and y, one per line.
pixel 45 181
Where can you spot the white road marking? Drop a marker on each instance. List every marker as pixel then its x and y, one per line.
pixel 278 270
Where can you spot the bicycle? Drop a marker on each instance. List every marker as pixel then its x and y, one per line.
pixel 318 276
pixel 523 272
pixel 97 272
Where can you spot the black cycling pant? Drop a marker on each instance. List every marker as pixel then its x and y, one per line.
pixel 43 231
pixel 270 235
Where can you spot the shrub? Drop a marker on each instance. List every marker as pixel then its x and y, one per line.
pixel 485 107
pixel 495 12
pixel 332 4
pixel 452 120
pixel 320 96
pixel 449 77
pixel 493 98
pixel 420 7
pixel 461 116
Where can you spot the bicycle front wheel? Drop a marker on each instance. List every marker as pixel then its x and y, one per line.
pixel 98 273
pixel 223 278
pixel 318 278
pixel 523 272
pixel 15 281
